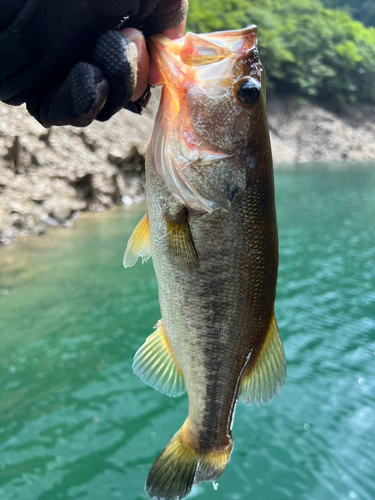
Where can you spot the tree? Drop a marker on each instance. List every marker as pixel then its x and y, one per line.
pixel 305 48
pixel 362 10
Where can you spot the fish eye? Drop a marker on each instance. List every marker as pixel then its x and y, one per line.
pixel 248 91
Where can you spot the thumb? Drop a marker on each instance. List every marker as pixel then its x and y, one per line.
pixel 137 38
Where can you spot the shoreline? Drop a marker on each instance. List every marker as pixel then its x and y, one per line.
pixel 329 166
pixel 49 176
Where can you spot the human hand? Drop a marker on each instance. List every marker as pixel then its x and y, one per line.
pixel 62 59
pixel 147 70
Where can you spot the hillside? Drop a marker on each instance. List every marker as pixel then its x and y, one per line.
pixel 307 50
pixel 48 176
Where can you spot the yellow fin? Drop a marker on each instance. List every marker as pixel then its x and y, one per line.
pixel 265 379
pixel 180 465
pixel 139 243
pixel 181 245
pixel 155 364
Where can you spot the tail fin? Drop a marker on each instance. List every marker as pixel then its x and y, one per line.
pixel 180 466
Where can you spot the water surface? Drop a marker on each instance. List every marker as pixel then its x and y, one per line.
pixel 75 423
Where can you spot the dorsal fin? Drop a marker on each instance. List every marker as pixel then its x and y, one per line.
pixel 139 243
pixel 264 380
pixel 156 365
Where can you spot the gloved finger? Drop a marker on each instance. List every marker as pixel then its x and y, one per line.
pixel 176 32
pixel 135 36
pixel 141 103
pixel 74 101
pixel 173 12
pixel 117 57
pixel 112 9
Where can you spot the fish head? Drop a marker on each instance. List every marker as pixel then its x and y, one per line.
pixel 212 106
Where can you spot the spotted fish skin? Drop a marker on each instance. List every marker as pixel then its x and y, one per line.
pixel 214 245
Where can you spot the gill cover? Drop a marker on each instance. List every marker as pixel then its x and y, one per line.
pixel 196 66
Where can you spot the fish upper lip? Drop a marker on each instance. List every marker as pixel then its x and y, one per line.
pixel 251 28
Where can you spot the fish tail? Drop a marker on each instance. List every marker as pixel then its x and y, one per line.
pixel 181 465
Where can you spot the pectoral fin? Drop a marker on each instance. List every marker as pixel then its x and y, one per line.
pixel 181 245
pixel 264 380
pixel 139 243
pixel 155 364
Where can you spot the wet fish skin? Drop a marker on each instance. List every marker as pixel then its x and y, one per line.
pixel 210 195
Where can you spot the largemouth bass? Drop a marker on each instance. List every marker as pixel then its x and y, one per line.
pixel 211 230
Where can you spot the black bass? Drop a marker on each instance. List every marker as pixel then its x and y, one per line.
pixel 211 230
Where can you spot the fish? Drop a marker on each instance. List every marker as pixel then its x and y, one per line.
pixel 211 230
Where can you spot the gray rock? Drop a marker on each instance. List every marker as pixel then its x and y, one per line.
pixel 48 176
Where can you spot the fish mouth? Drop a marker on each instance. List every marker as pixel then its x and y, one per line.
pixel 174 60
pixel 224 43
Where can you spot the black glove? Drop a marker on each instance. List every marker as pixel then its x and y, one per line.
pixel 61 58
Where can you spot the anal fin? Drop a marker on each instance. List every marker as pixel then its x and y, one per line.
pixel 181 245
pixel 155 364
pixel 264 380
pixel 139 243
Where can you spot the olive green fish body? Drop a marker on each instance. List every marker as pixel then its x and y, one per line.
pixel 212 233
pixel 217 316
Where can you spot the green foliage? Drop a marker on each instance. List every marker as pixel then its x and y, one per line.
pixel 362 10
pixel 304 47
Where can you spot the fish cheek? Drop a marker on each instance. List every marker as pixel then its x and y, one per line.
pixel 217 117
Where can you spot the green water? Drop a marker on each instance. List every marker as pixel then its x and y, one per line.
pixel 75 423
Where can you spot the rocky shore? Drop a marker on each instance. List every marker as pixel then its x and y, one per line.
pixel 47 177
